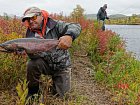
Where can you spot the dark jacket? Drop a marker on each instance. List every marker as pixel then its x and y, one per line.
pixel 102 15
pixel 57 58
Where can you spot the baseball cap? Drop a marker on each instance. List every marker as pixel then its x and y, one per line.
pixel 105 6
pixel 30 12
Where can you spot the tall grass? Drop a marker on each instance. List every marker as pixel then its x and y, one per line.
pixel 12 67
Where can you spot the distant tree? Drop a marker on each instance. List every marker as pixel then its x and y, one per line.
pixel 134 16
pixel 5 15
pixel 77 13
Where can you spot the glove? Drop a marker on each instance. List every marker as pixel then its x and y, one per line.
pixel 65 42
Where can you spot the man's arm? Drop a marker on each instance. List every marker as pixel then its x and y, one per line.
pixel 106 15
pixel 71 29
pixel 69 32
pixel 98 14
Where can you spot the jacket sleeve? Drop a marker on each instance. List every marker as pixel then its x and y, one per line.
pixel 98 14
pixel 71 29
pixel 106 15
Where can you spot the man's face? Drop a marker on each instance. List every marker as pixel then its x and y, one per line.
pixel 35 22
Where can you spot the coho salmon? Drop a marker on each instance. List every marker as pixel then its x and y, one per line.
pixel 30 45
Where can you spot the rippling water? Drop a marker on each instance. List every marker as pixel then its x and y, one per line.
pixel 131 34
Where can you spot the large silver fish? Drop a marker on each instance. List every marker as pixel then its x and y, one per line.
pixel 30 45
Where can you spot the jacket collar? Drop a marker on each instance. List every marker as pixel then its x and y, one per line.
pixel 51 23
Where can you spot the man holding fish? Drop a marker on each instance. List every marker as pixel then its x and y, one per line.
pixel 55 62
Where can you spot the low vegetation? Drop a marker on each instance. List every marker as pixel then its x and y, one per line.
pixel 127 20
pixel 113 67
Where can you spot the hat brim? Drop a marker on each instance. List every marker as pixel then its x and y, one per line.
pixel 28 16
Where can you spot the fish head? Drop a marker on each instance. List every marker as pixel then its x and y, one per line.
pixel 7 47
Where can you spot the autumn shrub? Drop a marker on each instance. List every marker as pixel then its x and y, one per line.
pixel 113 66
pixel 116 68
pixel 12 66
pixel 11 25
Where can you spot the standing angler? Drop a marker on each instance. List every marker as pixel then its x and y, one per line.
pixel 102 15
pixel 55 62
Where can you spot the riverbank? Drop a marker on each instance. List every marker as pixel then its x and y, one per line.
pixel 130 34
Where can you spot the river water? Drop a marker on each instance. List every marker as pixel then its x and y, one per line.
pixel 131 35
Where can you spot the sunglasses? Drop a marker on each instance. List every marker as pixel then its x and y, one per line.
pixel 33 18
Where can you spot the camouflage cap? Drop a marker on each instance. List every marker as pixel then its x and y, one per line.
pixel 30 12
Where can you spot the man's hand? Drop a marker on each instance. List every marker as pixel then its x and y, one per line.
pixel 65 42
pixel 109 21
